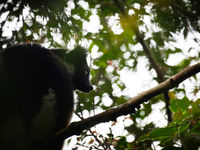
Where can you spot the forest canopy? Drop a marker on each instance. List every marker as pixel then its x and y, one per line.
pixel 156 38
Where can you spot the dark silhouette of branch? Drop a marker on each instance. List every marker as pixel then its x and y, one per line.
pixel 160 72
pixel 76 128
pixel 158 69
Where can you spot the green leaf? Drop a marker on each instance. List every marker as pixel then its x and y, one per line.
pixel 121 144
pixel 179 104
pixel 184 127
pixel 160 133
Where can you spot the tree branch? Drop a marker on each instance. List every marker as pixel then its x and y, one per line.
pixel 147 51
pixel 159 71
pixel 76 128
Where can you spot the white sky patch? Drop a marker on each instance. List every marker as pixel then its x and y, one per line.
pixel 157 116
pixel 95 52
pixel 107 101
pixel 83 4
pixel 128 122
pixel 136 5
pixel 3 16
pixel 130 138
pixel 114 24
pixel 93 25
pixel 174 59
pixel 11 26
pixel 140 80
pixel 189 47
pixel 26 12
pixel 131 12
pixel 70 6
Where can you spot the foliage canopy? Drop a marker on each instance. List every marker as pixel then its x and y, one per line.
pixel 120 35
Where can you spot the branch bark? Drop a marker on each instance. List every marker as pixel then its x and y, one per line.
pixel 76 128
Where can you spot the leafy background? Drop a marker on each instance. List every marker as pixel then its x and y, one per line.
pixel 157 38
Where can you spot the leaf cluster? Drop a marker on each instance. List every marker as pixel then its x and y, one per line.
pixel 183 132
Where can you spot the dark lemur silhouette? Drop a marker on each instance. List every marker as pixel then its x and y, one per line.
pixel 36 94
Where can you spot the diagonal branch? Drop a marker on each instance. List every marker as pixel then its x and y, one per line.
pixel 152 60
pixel 76 128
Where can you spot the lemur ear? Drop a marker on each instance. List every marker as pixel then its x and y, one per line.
pixel 75 61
